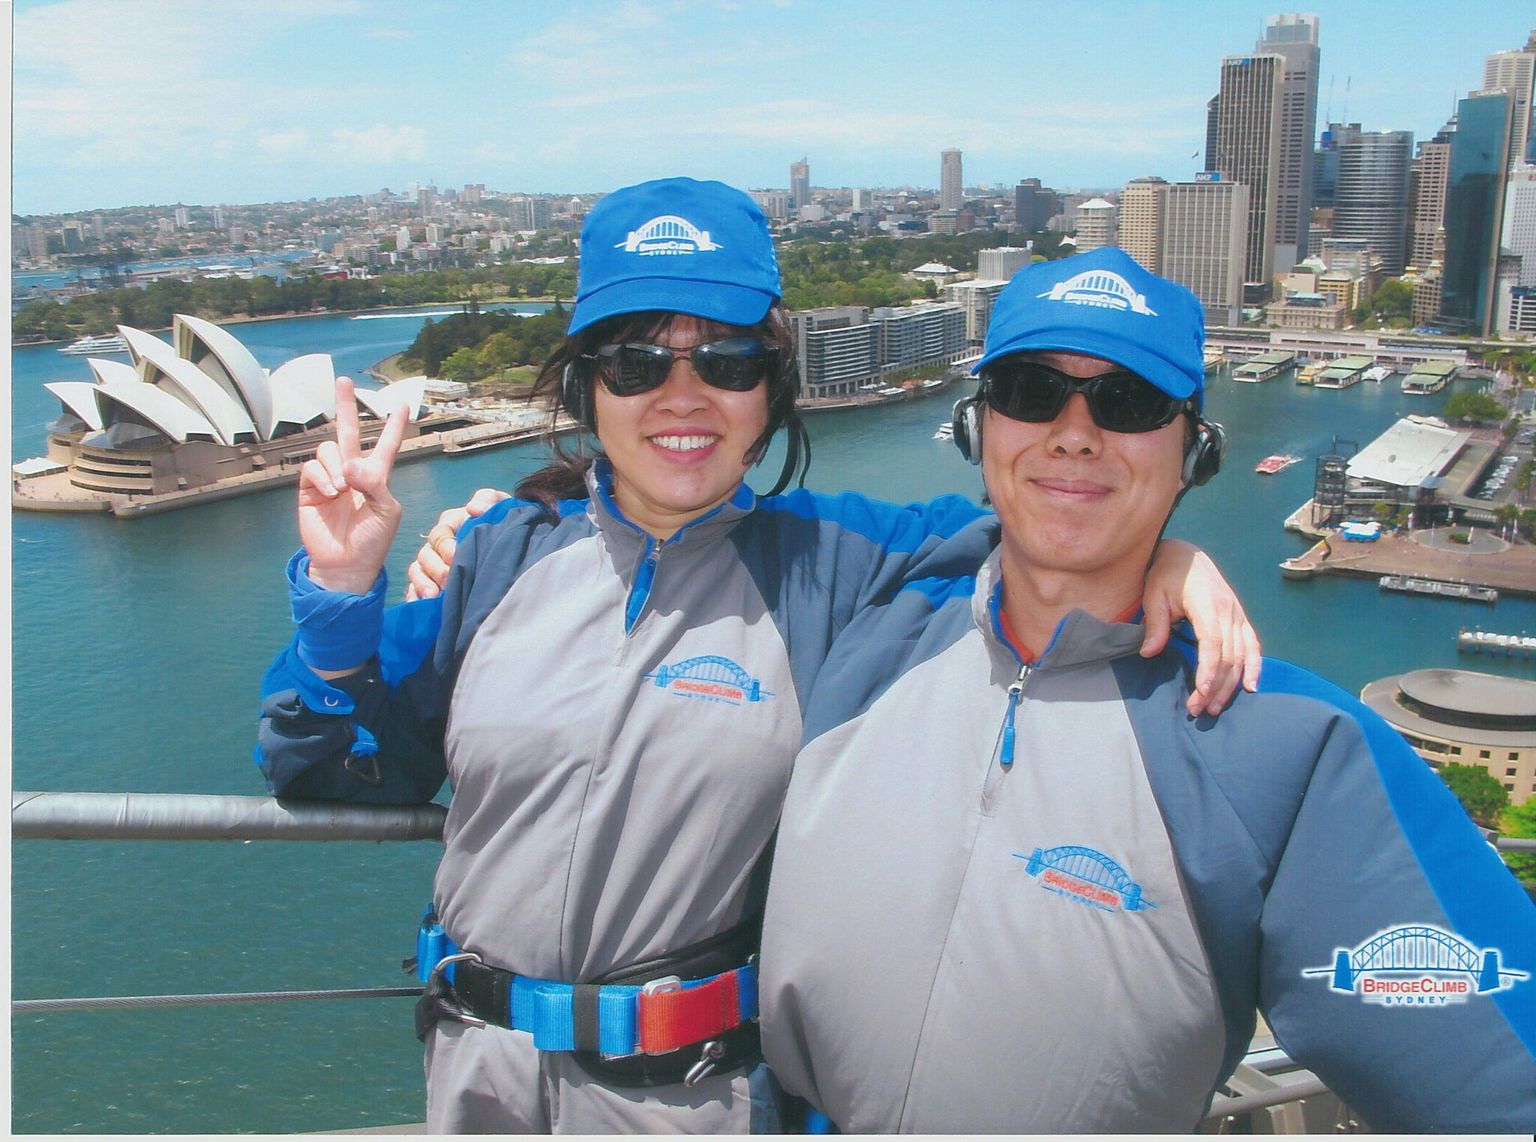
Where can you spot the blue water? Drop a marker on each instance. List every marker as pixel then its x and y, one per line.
pixel 269 264
pixel 138 646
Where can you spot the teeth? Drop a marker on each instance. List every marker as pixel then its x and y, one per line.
pixel 683 443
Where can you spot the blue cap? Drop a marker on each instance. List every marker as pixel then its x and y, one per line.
pixel 680 245
pixel 1104 304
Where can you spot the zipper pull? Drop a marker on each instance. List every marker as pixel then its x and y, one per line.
pixel 1005 755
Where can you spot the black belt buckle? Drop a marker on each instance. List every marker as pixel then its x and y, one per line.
pixel 438 1000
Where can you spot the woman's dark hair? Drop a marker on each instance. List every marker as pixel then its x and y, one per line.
pixel 565 477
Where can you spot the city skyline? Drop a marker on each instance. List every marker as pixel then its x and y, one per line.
pixel 255 101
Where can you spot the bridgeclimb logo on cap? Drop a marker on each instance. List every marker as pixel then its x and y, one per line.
pixel 1100 287
pixel 668 234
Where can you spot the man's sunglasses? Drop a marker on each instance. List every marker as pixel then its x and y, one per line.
pixel 1118 401
pixel 736 364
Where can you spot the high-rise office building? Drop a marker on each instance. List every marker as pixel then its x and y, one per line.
pixel 1205 236
pixel 1294 38
pixel 1248 152
pixel 1034 205
pixel 1519 238
pixel 1141 221
pixel 1426 197
pixel 1095 225
pixel 799 184
pixel 1474 207
pixel 1515 72
pixel 951 182
pixel 1371 199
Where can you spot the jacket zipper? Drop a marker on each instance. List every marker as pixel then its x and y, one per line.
pixel 1006 734
pixel 640 591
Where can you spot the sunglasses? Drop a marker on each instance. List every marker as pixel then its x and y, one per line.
pixel 1119 401
pixel 736 364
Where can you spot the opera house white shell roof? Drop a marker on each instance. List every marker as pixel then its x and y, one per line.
pixel 206 385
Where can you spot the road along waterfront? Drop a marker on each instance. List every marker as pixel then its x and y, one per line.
pixel 137 652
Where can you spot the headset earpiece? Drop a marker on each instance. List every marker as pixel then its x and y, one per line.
pixel 573 394
pixel 1202 459
pixel 966 427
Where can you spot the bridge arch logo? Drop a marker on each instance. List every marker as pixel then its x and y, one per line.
pixel 668 234
pixel 1417 965
pixel 710 678
pixel 1086 876
pixel 1103 288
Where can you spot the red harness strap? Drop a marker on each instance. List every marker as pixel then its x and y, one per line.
pixel 668 1020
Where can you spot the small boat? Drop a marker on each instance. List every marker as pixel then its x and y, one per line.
pixel 1308 373
pixel 1279 462
pixel 945 431
pixel 1378 373
pixel 101 343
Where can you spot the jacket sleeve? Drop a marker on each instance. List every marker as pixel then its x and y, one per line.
pixel 1397 950
pixel 373 736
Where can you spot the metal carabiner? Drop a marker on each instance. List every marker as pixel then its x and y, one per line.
pixel 437 999
pixel 713 1052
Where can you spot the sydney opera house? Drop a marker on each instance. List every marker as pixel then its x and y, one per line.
pixel 197 419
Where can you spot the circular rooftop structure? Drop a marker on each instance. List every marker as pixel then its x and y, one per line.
pixel 1468 693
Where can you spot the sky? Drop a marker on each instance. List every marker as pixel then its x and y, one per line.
pixel 152 102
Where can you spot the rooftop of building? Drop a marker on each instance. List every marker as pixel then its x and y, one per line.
pixel 1408 453
pixel 1440 703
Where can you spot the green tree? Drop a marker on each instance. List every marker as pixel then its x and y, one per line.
pixel 1475 406
pixel 1392 303
pixel 1520 821
pixel 1479 791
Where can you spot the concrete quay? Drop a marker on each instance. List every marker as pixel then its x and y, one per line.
pixel 1487 562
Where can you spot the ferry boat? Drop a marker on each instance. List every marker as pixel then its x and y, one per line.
pixel 1377 373
pixel 1279 462
pixel 101 343
pixel 1214 359
pixel 1308 373
pixel 945 431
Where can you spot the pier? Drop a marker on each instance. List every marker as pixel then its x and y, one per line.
pixel 1446 590
pixel 1490 642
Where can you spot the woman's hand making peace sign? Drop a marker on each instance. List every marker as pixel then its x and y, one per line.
pixel 347 514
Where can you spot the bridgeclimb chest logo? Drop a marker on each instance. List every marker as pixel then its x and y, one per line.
pixel 710 678
pixel 1086 876
pixel 1417 965
pixel 668 234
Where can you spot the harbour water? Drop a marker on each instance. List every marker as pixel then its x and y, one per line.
pixel 138 646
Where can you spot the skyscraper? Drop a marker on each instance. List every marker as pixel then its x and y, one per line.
pixel 1515 72
pixel 1205 228
pixel 1294 38
pixel 951 184
pixel 1371 199
pixel 1474 206
pixel 1034 205
pixel 1141 221
pixel 1426 197
pixel 799 184
pixel 1095 225
pixel 1248 152
pixel 1519 236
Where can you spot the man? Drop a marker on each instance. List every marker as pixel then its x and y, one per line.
pixel 1017 888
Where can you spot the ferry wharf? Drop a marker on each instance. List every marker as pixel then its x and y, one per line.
pixel 1427 555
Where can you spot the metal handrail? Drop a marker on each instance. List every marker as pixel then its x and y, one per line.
pixel 200 817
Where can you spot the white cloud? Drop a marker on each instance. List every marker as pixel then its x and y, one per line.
pixel 378 145
pixel 284 144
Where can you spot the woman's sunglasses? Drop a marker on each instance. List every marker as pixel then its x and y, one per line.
pixel 736 364
pixel 1119 401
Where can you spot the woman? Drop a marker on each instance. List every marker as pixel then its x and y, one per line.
pixel 612 681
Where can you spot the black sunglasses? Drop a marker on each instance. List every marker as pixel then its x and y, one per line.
pixel 1118 401
pixel 736 364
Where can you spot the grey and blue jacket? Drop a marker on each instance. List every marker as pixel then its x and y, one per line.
pixel 617 716
pixel 1042 898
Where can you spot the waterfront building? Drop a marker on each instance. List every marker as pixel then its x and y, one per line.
pixel 1515 72
pixel 1095 225
pixel 1421 464
pixel 1204 231
pixel 799 184
pixel 197 412
pixel 975 299
pixel 1141 221
pixel 1294 37
pixel 1371 197
pixel 1473 211
pixel 846 348
pixel 1519 310
pixel 1426 197
pixel 999 263
pixel 1248 152
pixel 916 335
pixel 1466 718
pixel 951 183
pixel 1427 293
pixel 1303 310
